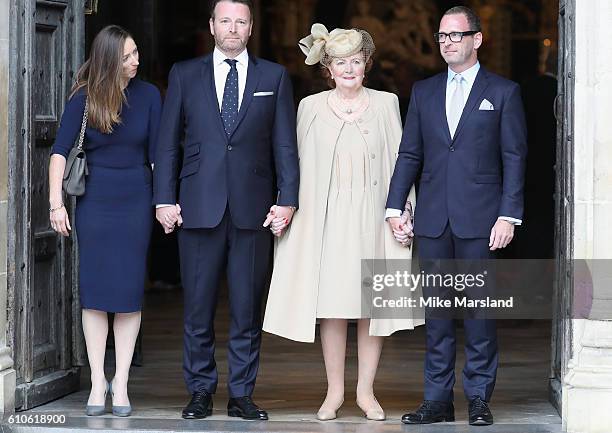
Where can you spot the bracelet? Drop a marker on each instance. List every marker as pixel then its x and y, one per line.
pixel 53 209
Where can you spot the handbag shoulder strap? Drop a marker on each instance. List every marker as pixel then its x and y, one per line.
pixel 83 124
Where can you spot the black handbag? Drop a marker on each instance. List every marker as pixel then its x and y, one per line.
pixel 76 163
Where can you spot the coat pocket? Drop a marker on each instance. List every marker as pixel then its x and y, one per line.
pixel 192 150
pixel 190 168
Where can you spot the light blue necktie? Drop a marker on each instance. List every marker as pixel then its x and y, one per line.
pixel 457 103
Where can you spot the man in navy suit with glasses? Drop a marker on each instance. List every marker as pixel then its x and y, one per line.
pixel 236 117
pixel 465 129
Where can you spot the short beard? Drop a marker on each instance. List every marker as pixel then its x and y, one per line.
pixel 227 50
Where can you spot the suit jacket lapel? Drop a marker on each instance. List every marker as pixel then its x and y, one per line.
pixel 250 87
pixel 208 77
pixel 480 84
pixel 440 101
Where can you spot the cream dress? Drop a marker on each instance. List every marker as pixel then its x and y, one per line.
pixel 349 230
pixel 345 171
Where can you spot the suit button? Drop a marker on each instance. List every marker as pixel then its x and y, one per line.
pixel 373 156
pixel 375 183
pixel 452 149
pixel 229 147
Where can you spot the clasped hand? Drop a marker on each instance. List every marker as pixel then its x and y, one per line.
pixel 169 217
pixel 278 219
pixel 402 230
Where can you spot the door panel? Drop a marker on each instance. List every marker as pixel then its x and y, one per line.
pixel 561 331
pixel 47 56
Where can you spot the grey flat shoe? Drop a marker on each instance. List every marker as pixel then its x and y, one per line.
pixel 92 410
pixel 122 411
pixel 97 410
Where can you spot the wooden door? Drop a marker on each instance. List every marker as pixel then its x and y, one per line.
pixel 564 199
pixel 44 312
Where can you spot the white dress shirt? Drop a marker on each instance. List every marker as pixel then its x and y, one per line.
pixel 221 70
pixel 469 75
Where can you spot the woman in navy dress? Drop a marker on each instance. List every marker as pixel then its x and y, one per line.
pixel 114 216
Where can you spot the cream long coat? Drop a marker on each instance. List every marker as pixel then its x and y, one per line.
pixel 292 301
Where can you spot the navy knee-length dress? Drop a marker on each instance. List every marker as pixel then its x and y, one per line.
pixel 114 217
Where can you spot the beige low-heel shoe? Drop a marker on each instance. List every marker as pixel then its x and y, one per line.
pixel 328 414
pixel 375 413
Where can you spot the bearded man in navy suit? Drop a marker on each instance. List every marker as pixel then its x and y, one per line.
pixel 465 129
pixel 235 116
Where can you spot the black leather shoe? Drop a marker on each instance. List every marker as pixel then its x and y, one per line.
pixel 431 412
pixel 245 408
pixel 200 406
pixel 479 412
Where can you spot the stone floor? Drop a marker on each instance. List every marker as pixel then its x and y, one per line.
pixel 291 384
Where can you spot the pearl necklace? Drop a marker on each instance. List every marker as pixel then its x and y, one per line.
pixel 349 106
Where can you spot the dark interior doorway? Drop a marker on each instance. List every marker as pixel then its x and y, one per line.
pixel 520 44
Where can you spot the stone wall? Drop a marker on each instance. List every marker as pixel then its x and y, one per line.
pixel 587 391
pixel 7 374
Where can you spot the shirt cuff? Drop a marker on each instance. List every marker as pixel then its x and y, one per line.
pixel 392 213
pixel 293 208
pixel 511 220
pixel 157 206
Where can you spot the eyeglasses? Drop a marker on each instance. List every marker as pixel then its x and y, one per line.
pixel 440 37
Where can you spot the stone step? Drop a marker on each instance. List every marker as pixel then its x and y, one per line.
pixel 136 425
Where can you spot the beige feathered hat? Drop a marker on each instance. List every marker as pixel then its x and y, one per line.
pixel 321 46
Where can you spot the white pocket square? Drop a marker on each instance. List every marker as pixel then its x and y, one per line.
pixel 486 105
pixel 263 93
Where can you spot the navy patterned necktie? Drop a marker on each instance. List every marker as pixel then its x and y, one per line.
pixel 229 106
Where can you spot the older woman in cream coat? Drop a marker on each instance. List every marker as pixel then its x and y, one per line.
pixel 348 140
